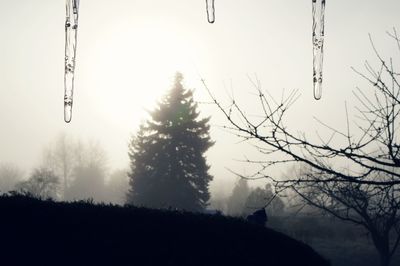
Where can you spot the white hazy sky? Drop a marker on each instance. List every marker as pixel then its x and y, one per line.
pixel 128 52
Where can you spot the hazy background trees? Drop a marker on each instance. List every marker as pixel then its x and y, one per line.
pixel 236 203
pixel 43 183
pixel 10 175
pixel 168 165
pixel 244 200
pixel 264 198
pixel 70 169
pixel 88 177
pixel 118 186
pixel 59 156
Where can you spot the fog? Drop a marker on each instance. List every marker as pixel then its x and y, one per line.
pixel 127 55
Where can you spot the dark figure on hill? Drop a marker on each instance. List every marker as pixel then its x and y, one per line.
pixel 258 217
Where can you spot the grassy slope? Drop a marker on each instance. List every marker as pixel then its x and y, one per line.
pixel 35 232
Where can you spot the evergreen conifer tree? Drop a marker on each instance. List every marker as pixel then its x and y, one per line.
pixel 168 165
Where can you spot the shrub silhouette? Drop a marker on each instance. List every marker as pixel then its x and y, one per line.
pixel 258 217
pixel 36 232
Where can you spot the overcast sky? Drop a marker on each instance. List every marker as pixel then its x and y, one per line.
pixel 128 52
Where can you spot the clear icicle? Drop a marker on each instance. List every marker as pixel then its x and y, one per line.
pixel 71 28
pixel 318 33
pixel 210 11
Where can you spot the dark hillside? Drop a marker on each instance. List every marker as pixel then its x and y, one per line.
pixel 35 232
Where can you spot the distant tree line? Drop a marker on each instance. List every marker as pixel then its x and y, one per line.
pixel 69 170
pixel 245 200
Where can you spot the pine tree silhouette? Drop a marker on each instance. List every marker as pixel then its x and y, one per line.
pixel 168 165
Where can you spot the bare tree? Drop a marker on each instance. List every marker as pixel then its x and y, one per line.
pixel 81 166
pixel 88 175
pixel 374 207
pixel 353 175
pixel 60 157
pixel 43 183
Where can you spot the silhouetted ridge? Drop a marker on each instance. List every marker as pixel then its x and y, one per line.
pixel 36 232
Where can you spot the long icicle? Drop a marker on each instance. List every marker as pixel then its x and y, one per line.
pixel 318 33
pixel 71 30
pixel 210 11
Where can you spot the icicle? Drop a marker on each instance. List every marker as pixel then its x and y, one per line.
pixel 318 12
pixel 71 28
pixel 210 11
